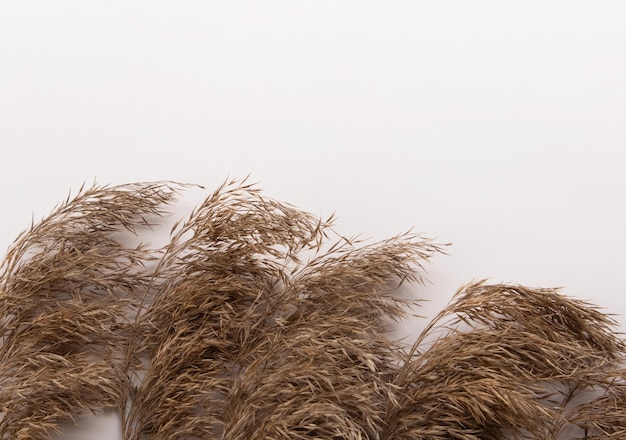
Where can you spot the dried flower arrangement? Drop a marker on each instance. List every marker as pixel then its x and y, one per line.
pixel 259 321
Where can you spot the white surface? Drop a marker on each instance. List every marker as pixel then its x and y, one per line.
pixel 496 125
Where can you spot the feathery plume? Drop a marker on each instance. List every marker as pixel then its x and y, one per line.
pixel 507 362
pixel 246 339
pixel 66 286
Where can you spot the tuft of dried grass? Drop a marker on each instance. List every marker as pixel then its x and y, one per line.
pixel 247 339
pixel 508 362
pixel 66 286
pixel 259 321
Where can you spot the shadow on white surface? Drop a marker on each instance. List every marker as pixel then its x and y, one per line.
pixel 92 427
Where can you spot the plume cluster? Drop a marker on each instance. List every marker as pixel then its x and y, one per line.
pixel 67 288
pixel 512 360
pixel 259 321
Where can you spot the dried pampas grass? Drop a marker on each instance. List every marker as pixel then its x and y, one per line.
pixel 510 360
pixel 259 321
pixel 66 288
pixel 245 339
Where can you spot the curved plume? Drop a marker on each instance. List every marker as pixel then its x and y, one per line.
pixel 65 291
pixel 507 362
pixel 247 339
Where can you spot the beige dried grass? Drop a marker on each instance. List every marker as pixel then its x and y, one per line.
pixel 259 321
pixel 244 331
pixel 508 362
pixel 65 290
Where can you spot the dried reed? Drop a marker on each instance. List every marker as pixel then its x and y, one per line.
pixel 246 340
pixel 508 362
pixel 65 290
pixel 259 321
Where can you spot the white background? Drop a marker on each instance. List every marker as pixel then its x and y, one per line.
pixel 496 125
